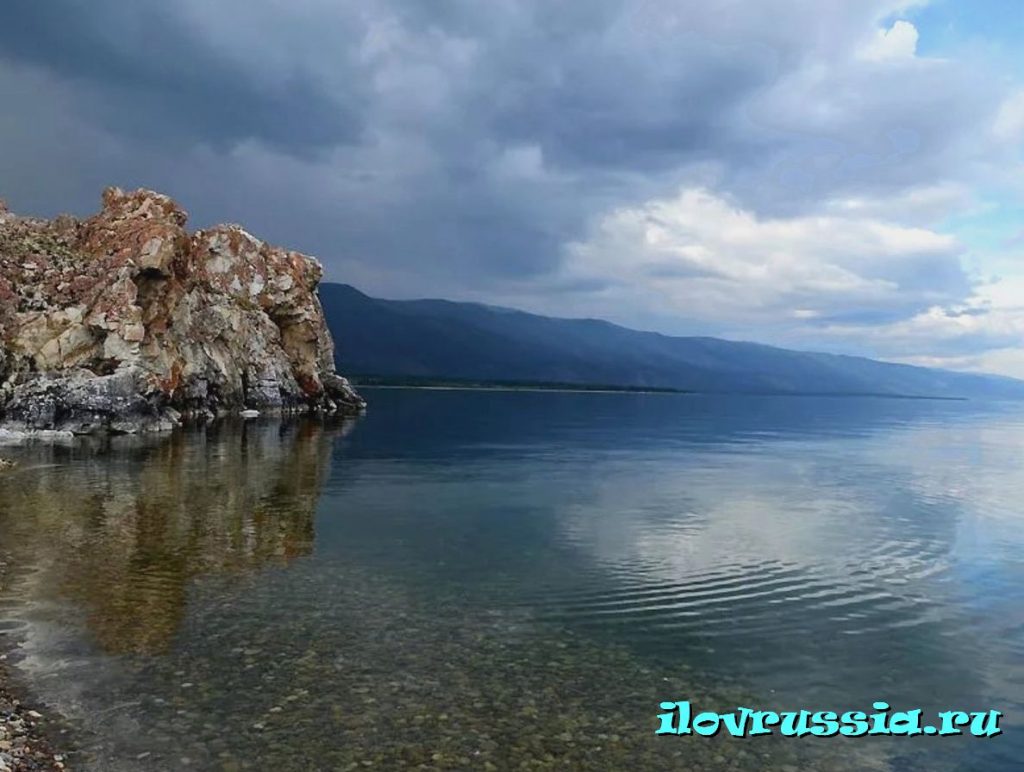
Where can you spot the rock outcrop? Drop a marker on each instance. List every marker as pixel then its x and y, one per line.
pixel 126 322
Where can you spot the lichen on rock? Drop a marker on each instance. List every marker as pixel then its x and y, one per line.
pixel 126 322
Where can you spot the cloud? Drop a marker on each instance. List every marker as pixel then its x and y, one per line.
pixel 147 69
pixel 896 42
pixel 922 204
pixel 1009 121
pixel 982 331
pixel 699 256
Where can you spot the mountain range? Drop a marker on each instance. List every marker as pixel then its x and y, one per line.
pixel 430 341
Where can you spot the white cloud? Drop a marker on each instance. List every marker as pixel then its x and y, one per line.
pixel 699 256
pixel 919 204
pixel 1004 361
pixel 897 42
pixel 982 334
pixel 1009 122
pixel 939 327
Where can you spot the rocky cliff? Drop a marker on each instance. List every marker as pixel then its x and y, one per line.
pixel 126 322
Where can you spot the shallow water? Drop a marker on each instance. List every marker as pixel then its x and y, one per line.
pixel 478 580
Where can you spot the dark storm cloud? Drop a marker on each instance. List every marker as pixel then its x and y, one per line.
pixel 157 77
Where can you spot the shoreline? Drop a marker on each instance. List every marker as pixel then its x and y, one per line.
pixel 662 392
pixel 520 388
pixel 27 742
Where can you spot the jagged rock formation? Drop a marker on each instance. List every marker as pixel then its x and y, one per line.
pixel 125 322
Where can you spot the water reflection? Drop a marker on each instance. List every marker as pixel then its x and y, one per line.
pixel 120 527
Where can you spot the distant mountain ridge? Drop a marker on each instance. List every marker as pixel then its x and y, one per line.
pixel 446 340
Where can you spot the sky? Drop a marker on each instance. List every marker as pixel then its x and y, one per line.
pixel 837 175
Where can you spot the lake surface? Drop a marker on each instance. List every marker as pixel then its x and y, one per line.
pixel 474 580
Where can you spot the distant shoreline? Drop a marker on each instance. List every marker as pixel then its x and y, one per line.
pixel 558 389
pixel 582 389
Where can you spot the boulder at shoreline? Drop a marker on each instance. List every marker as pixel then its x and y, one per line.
pixel 126 322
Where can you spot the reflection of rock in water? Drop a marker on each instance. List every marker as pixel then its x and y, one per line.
pixel 121 532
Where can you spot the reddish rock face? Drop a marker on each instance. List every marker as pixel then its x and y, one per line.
pixel 128 301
